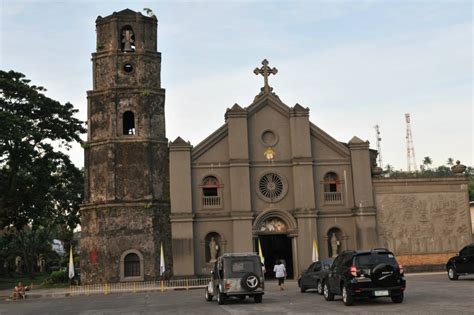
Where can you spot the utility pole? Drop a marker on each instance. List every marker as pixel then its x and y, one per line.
pixel 379 149
pixel 411 161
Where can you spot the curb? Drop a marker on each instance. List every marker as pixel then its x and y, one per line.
pixel 69 294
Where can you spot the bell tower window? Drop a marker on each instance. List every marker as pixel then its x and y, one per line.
pixel 128 123
pixel 128 39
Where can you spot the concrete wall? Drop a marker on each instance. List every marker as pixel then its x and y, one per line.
pixel 423 215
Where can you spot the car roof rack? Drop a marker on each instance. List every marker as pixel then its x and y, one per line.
pixel 239 254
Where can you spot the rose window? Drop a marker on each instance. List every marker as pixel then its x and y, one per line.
pixel 271 186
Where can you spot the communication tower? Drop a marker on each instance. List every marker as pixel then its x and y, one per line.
pixel 379 149
pixel 411 162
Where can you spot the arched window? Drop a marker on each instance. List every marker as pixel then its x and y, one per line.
pixel 127 42
pixel 210 192
pixel 332 188
pixel 132 265
pixel 128 123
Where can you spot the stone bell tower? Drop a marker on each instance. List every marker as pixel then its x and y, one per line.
pixel 125 215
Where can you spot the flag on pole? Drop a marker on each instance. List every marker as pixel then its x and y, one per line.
pixel 71 264
pixel 315 251
pixel 162 260
pixel 260 253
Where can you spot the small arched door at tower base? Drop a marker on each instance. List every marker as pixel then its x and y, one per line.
pixel 334 242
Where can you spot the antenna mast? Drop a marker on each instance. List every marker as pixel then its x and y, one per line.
pixel 411 162
pixel 377 134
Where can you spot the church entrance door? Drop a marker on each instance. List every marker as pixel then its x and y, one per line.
pixel 276 247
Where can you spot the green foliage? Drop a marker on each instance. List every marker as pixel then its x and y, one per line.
pixel 470 172
pixel 58 277
pixel 27 243
pixel 39 185
pixel 149 12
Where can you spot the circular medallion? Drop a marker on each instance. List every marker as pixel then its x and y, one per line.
pixel 269 138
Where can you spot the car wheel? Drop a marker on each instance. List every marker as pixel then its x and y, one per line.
pixel 346 297
pixel 319 286
pixel 302 289
pixel 397 298
pixel 452 275
pixel 208 296
pixel 220 297
pixel 328 296
pixel 257 298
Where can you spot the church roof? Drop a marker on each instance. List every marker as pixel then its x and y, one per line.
pixel 127 13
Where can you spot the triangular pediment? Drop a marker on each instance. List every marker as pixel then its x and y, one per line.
pixel 330 142
pixel 356 140
pixel 179 141
pixel 205 145
pixel 269 100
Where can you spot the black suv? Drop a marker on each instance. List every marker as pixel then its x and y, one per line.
pixel 462 263
pixel 365 274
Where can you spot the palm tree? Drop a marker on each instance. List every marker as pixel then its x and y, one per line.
pixel 427 161
pixel 450 161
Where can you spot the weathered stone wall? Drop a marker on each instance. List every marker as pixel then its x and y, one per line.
pixel 109 231
pixel 422 215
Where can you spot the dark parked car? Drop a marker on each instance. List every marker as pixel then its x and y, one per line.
pixel 312 278
pixel 461 264
pixel 365 274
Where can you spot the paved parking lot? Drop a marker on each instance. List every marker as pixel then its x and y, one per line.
pixel 426 294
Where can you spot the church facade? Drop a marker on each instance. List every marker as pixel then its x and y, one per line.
pixel 267 177
pixel 270 175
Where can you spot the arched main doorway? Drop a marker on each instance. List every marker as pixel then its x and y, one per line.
pixel 275 234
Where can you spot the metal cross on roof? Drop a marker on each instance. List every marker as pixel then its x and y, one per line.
pixel 265 70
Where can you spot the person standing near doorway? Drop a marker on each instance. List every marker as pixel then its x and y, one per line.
pixel 280 273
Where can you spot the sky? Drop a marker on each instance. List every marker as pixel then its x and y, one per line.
pixel 354 64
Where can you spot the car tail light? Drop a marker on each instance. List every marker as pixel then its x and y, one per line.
pixel 227 286
pixel 400 267
pixel 354 271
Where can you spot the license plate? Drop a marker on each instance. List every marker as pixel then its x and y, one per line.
pixel 381 293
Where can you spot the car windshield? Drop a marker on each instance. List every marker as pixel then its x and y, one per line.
pixel 236 268
pixel 370 260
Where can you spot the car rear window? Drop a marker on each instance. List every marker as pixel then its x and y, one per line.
pixel 370 260
pixel 236 268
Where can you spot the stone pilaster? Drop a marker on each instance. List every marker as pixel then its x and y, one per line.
pixel 182 232
pixel 236 119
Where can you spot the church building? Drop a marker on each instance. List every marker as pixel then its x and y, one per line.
pixel 268 176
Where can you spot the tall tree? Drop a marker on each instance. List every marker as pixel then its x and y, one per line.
pixel 427 161
pixel 450 161
pixel 38 183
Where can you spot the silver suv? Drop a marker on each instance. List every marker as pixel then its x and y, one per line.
pixel 236 274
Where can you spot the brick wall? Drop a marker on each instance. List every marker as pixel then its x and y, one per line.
pixel 424 259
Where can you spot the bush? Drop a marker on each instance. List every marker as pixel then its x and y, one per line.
pixel 58 277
